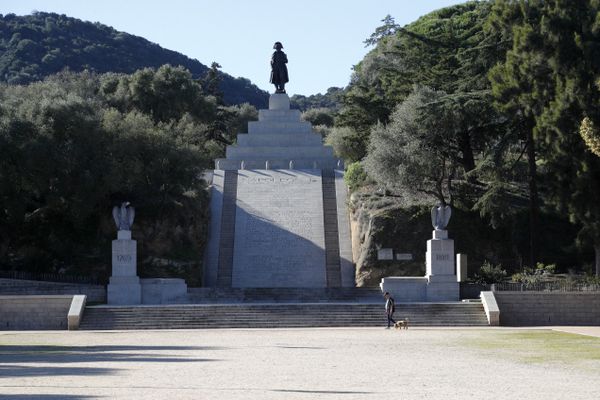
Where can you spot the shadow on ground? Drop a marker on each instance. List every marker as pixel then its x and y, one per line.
pixel 44 397
pixel 13 358
pixel 320 391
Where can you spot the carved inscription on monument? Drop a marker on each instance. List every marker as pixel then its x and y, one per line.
pixel 279 239
pixel 124 254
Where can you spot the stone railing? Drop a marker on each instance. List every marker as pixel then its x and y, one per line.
pixel 225 164
pixel 553 286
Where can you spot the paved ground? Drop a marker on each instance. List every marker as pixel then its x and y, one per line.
pixel 300 364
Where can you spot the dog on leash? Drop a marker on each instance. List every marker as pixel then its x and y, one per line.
pixel 401 324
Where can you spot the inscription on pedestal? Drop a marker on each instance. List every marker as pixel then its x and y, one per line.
pixel 439 258
pixel 124 258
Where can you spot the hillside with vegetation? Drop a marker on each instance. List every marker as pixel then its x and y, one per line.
pixel 35 46
pixel 76 144
pixel 479 106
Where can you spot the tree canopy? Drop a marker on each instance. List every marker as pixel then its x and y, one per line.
pixel 75 144
pixel 504 111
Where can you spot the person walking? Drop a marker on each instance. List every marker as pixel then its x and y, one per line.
pixel 390 307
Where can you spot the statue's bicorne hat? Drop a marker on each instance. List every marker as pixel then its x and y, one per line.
pixel 278 46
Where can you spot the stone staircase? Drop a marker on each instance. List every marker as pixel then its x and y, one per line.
pixel 291 315
pixel 281 295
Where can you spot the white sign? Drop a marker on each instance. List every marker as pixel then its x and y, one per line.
pixel 385 254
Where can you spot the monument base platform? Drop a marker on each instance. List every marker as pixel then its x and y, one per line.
pixel 434 288
pixel 162 290
pixel 124 290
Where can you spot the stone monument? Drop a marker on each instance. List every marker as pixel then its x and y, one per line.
pixel 278 213
pixel 279 72
pixel 439 259
pixel 440 282
pixel 124 286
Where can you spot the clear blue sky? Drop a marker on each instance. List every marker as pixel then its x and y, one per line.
pixel 322 38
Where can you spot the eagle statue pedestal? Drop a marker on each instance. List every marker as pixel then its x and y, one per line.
pixel 124 286
pixel 440 272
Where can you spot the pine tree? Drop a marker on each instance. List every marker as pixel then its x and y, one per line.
pixel 548 81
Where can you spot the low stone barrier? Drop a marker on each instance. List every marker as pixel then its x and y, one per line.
pixel 492 312
pixel 548 308
pixel 13 287
pixel 45 312
pixel 76 312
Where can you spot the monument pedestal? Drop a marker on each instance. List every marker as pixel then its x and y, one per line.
pixel 278 212
pixel 124 286
pixel 439 283
pixel 441 277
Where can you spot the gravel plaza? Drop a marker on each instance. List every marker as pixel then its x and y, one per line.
pixel 328 363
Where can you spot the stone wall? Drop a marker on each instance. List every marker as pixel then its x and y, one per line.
pixel 552 308
pixel 34 312
pixel 13 287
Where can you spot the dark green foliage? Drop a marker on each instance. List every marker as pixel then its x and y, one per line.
pixel 319 116
pixel 489 273
pixel 347 143
pixel 447 50
pixel 331 100
pixel 513 81
pixel 548 82
pixel 355 175
pixel 74 145
pixel 35 46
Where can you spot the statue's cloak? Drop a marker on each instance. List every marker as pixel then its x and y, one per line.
pixel 279 72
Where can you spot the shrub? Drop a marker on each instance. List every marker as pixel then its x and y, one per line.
pixel 355 175
pixel 490 273
pixel 534 275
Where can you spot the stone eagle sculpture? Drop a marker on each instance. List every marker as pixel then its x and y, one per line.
pixel 124 216
pixel 440 216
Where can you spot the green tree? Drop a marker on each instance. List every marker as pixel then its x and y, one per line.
pixel 67 155
pixel 355 175
pixel 212 82
pixel 319 116
pixel 548 79
pixel 413 154
pixel 347 143
pixel 449 50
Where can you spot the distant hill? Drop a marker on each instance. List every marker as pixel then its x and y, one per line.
pixel 35 46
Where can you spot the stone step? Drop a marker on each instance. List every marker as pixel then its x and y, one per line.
pixel 279 152
pixel 278 315
pixel 308 164
pixel 278 295
pixel 308 139
pixel 274 127
pixel 279 115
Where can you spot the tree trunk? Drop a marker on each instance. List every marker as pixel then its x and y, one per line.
pixel 468 159
pixel 533 200
pixel 597 253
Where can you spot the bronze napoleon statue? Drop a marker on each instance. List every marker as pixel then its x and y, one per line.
pixel 279 72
